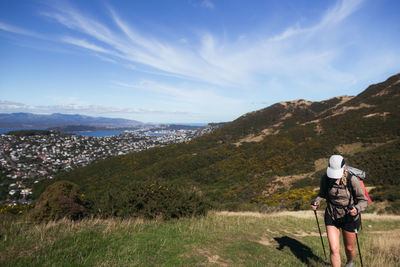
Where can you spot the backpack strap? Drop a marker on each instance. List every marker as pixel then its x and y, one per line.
pixel 350 187
pixel 353 195
pixel 330 184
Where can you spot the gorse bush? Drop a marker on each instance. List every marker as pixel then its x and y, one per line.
pixel 60 200
pixel 148 200
pixel 19 209
pixel 295 199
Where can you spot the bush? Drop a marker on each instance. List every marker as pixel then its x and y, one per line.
pixel 387 192
pixel 394 207
pixel 295 199
pixel 18 209
pixel 154 200
pixel 60 200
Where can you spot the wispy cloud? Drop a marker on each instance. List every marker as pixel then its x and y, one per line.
pixel 303 57
pixel 212 60
pixel 18 30
pixel 335 15
pixel 200 100
pixel 207 4
pixel 84 44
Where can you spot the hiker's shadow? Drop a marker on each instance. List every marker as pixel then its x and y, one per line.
pixel 301 251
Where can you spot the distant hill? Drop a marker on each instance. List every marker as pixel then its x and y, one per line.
pixel 29 120
pixel 274 156
pixel 33 132
pixel 77 128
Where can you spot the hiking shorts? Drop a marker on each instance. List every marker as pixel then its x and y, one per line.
pixel 346 223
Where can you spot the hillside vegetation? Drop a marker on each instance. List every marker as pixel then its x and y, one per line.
pixel 270 158
pixel 219 239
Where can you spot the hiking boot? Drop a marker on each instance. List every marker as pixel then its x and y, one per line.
pixel 350 264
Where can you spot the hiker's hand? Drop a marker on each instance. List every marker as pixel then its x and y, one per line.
pixel 314 207
pixel 353 212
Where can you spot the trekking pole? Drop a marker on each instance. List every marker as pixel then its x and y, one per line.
pixel 359 251
pixel 320 235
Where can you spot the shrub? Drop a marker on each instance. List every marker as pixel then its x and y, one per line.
pixel 18 209
pixel 394 207
pixel 294 199
pixel 60 200
pixel 149 200
pixel 387 192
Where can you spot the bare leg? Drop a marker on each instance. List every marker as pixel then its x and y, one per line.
pixel 334 244
pixel 348 240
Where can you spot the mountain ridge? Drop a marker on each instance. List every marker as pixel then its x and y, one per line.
pixel 236 163
pixel 31 120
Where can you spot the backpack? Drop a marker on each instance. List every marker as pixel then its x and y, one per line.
pixel 361 176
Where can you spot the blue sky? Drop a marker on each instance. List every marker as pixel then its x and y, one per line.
pixel 190 60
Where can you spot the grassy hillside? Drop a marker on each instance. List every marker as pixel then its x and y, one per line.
pixel 255 158
pixel 219 239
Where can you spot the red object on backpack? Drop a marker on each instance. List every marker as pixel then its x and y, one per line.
pixel 365 191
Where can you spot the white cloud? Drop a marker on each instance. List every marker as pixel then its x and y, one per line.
pixel 84 44
pixel 135 47
pixel 207 4
pixel 18 30
pixel 184 96
pixel 213 61
pixel 335 15
pixel 304 57
pixel 217 62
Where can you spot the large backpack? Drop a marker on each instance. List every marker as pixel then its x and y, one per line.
pixel 354 172
pixel 361 176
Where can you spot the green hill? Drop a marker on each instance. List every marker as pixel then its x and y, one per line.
pixel 272 156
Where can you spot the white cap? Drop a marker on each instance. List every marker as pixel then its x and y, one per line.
pixel 335 167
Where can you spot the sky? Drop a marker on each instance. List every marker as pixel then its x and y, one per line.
pixel 190 61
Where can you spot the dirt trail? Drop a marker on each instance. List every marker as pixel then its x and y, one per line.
pixel 303 214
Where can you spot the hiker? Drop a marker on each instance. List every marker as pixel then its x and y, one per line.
pixel 345 200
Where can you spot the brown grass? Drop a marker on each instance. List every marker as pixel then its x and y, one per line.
pixel 384 250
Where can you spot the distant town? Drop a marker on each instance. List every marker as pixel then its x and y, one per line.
pixel 28 159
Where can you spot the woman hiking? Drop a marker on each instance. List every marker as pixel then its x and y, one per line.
pixel 345 200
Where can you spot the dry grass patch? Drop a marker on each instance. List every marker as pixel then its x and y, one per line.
pixel 320 164
pixel 263 241
pixel 344 109
pixel 290 179
pixel 213 258
pixel 384 250
pixel 272 130
pixel 284 182
pixel 383 115
pixel 297 103
pixel 304 214
pixel 374 216
pixel 351 149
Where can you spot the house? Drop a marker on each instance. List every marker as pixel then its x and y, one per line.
pixel 25 192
